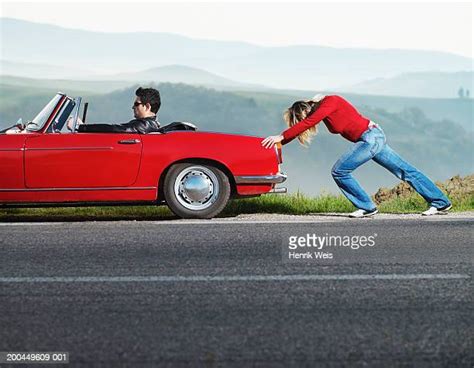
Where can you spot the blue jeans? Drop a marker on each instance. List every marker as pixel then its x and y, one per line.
pixel 372 146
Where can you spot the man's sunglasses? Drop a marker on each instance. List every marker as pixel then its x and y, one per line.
pixel 136 104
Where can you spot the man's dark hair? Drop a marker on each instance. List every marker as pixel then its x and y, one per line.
pixel 150 96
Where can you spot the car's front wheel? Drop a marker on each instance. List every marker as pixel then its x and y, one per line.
pixel 196 191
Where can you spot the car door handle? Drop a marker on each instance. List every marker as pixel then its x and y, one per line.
pixel 129 141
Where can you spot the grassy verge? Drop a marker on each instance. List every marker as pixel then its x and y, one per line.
pixel 296 204
pixel 100 213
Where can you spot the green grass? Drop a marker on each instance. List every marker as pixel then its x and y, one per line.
pixel 294 204
pixel 99 213
pixel 298 204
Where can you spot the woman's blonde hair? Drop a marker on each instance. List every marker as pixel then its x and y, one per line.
pixel 299 111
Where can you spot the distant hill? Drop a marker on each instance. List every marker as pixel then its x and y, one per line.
pixel 427 84
pixel 64 85
pixel 45 71
pixel 180 74
pixel 458 110
pixel 440 148
pixel 13 73
pixel 296 67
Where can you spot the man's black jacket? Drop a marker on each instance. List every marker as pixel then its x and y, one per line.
pixel 140 126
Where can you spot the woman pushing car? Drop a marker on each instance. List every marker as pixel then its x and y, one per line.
pixel 340 117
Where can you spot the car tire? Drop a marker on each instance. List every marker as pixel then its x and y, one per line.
pixel 198 191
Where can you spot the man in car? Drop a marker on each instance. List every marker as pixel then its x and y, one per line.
pixel 145 107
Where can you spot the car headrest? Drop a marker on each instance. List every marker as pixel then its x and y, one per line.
pixel 177 125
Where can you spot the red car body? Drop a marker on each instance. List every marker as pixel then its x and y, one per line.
pixel 46 166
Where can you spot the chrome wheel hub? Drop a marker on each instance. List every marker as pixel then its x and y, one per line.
pixel 196 187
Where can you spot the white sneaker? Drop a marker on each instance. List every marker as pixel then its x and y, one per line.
pixel 363 213
pixel 437 211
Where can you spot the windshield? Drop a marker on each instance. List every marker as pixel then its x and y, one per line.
pixel 38 122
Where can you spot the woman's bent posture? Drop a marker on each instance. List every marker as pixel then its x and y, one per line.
pixel 340 117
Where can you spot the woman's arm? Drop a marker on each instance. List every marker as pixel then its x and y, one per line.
pixel 327 106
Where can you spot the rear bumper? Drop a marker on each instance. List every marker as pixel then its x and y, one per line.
pixel 261 179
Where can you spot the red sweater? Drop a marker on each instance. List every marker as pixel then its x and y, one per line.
pixel 339 116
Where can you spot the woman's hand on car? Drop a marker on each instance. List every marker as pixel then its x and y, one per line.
pixel 270 141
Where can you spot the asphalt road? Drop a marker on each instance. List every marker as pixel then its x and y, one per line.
pixel 218 293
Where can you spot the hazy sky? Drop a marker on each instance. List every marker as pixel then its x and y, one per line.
pixel 443 26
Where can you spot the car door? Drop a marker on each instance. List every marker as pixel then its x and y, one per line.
pixel 11 161
pixel 82 160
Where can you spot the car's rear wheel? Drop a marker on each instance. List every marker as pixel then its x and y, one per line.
pixel 195 190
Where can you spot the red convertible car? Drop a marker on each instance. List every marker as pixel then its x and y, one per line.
pixel 194 173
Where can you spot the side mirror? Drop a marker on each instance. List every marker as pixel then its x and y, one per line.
pixel 20 123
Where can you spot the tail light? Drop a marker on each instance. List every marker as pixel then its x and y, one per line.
pixel 278 152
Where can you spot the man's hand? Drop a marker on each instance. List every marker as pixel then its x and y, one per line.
pixel 270 141
pixel 70 122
